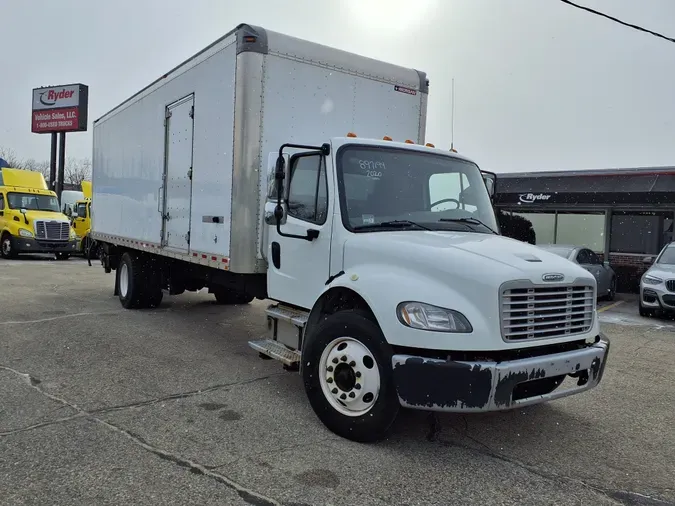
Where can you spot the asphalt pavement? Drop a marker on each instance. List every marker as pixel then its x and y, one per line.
pixel 99 405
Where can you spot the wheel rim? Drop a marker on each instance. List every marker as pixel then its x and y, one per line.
pixel 6 246
pixel 124 280
pixel 349 376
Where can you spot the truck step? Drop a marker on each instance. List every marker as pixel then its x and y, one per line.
pixel 286 314
pixel 277 351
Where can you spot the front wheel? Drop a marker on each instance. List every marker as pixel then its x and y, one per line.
pixel 646 312
pixel 7 247
pixel 348 376
pixel 612 290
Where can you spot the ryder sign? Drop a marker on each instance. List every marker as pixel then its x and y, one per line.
pixel 60 109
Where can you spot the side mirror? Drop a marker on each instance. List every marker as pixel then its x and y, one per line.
pixel 490 180
pixel 23 211
pixel 647 260
pixel 272 184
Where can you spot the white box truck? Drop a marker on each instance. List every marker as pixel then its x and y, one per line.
pixel 263 167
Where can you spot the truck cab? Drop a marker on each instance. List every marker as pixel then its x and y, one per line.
pixel 30 218
pixel 81 221
pixel 394 288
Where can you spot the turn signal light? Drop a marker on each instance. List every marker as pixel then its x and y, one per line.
pixel 351 134
pixel 429 145
pixel 387 138
pixel 408 141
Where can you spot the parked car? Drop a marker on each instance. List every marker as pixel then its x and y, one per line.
pixel 657 285
pixel 589 260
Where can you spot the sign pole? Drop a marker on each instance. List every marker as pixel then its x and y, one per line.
pixel 62 164
pixel 52 164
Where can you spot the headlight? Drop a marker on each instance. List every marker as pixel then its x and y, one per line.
pixel 418 315
pixel 25 233
pixel 651 280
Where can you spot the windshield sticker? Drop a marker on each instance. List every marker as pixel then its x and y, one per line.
pixel 368 219
pixel 372 168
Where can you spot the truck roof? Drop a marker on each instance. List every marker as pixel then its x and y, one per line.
pixel 399 144
pixel 20 178
pixel 256 39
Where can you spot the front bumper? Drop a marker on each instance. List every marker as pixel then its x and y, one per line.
pixel 453 386
pixel 32 245
pixel 657 297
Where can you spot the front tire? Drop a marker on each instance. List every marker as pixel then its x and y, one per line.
pixel 348 376
pixel 612 290
pixel 646 312
pixel 7 247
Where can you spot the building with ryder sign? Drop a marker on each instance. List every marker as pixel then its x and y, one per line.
pixel 624 215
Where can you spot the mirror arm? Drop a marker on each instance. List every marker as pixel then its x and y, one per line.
pixel 280 175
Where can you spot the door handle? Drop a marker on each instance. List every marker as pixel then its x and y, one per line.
pixel 159 198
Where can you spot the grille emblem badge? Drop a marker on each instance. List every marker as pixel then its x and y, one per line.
pixel 552 277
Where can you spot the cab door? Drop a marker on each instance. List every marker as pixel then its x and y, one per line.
pixel 299 256
pixel 79 221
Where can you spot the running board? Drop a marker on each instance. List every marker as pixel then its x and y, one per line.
pixel 277 351
pixel 286 314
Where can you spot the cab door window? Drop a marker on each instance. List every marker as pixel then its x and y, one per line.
pixel 308 189
pixel 2 204
pixel 82 211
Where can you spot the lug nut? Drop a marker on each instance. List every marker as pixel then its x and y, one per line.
pixel 352 363
pixel 343 358
pixel 335 390
pixel 330 368
pixel 352 395
pixel 335 360
pixel 357 386
pixel 358 374
pixel 329 380
pixel 343 397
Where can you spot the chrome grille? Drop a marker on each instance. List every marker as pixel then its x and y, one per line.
pixel 546 312
pixel 52 230
pixel 670 285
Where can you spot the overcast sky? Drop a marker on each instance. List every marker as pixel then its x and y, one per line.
pixel 538 84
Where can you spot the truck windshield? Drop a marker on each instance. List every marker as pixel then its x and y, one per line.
pixel 32 202
pixel 393 188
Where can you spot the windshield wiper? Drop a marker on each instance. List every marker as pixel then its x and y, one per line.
pixel 475 221
pixel 392 224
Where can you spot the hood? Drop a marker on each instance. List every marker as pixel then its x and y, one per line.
pixel 46 215
pixel 472 257
pixel 662 270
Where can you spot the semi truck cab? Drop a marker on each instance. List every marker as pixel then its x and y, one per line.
pixel 30 218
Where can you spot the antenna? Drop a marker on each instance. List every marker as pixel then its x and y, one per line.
pixel 452 117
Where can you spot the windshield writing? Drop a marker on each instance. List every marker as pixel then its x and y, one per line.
pixel 386 185
pixel 32 202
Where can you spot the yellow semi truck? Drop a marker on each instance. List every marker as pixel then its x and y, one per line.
pixel 30 218
pixel 81 222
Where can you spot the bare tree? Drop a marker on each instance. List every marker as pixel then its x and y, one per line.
pixel 77 170
pixel 11 158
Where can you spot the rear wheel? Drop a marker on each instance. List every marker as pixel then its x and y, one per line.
pixel 130 284
pixel 7 246
pixel 348 376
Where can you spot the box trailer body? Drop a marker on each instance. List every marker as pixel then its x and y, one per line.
pixel 222 113
pixel 264 167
